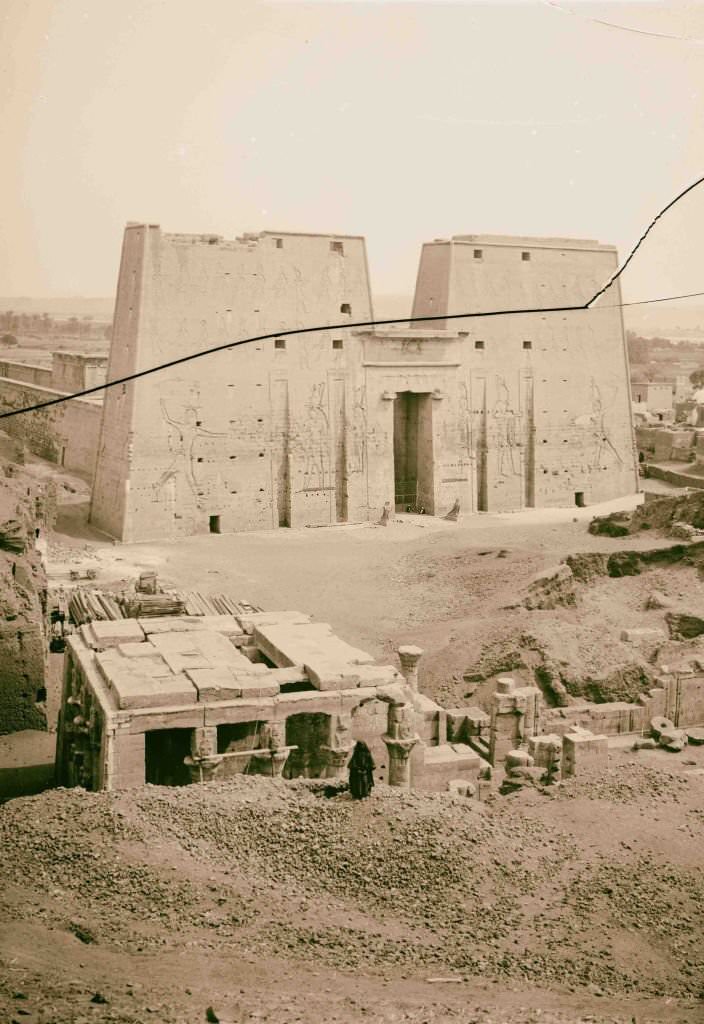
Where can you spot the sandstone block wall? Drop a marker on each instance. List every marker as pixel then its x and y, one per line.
pixel 66 434
pixel 254 435
pixel 547 394
pixel 503 413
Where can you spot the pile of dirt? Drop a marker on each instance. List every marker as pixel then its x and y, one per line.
pixel 399 885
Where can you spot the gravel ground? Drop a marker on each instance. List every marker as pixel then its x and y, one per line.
pixel 154 894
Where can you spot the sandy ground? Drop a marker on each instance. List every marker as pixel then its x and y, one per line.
pixel 267 903
pixel 274 905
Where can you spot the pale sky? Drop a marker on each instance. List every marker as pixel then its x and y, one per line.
pixel 401 122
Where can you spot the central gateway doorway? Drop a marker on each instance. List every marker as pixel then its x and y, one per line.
pixel 413 453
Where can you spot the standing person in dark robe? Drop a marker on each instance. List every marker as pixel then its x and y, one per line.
pixel 361 769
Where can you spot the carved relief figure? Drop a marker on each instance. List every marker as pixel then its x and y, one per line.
pixel 316 438
pixel 595 421
pixel 505 432
pixel 184 437
pixel 358 455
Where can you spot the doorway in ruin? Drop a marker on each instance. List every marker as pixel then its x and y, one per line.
pixel 309 733
pixel 164 753
pixel 413 453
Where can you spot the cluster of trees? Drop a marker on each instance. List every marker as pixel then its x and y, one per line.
pixel 642 350
pixel 42 325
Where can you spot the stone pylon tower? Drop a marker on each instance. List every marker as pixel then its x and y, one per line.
pixel 252 437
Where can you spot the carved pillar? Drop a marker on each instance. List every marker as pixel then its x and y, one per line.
pixel 409 657
pixel 400 740
pixel 336 761
pixel 204 760
pixel 273 753
pixel 340 746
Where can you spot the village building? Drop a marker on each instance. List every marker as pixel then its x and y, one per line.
pixel 496 413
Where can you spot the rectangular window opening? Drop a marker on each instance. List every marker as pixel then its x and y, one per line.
pixel 527 344
pixel 479 344
pixel 337 343
pixel 525 256
pixel 279 243
pixel 214 524
pixel 478 253
pixel 280 343
pixel 579 499
pixel 337 247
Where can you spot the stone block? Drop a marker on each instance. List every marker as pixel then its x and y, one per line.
pixel 582 749
pixel 257 686
pixel 103 635
pixel 249 621
pixel 128 762
pixel 134 687
pixel 505 684
pixel 545 750
pixel 443 763
pixel 199 650
pixel 636 636
pixel 213 684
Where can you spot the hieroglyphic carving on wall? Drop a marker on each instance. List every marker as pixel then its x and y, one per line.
pixel 359 431
pixel 596 427
pixel 505 432
pixel 185 437
pixel 316 438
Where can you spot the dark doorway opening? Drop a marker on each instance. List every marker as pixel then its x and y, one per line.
pixel 309 733
pixel 214 524
pixel 413 453
pixel 579 499
pixel 238 736
pixel 164 754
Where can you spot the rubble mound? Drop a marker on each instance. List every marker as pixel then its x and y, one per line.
pixel 267 871
pixel 660 513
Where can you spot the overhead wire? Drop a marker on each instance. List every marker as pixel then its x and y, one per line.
pixel 227 346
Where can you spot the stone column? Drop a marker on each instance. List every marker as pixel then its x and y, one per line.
pixel 204 760
pixel 336 761
pixel 399 761
pixel 400 740
pixel 409 657
pixel 271 757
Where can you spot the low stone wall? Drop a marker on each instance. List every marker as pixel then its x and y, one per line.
pixel 27 372
pixel 67 434
pixel 671 476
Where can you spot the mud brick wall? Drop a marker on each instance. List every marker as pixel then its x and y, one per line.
pixel 66 434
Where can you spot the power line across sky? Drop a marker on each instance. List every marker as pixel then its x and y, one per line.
pixel 226 346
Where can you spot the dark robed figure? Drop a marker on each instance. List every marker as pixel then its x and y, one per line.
pixel 361 769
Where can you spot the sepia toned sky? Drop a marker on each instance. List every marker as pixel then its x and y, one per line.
pixel 399 121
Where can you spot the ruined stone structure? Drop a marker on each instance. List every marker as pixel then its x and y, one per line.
pixel 496 413
pixel 177 699
pixel 67 433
